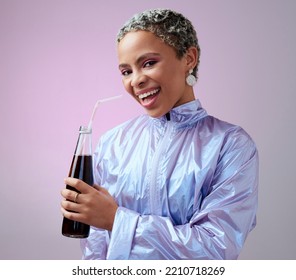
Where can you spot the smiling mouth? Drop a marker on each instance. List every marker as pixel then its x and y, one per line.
pixel 150 93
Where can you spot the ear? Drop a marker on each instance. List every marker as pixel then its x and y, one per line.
pixel 191 58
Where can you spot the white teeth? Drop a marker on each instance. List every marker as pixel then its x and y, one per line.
pixel 144 95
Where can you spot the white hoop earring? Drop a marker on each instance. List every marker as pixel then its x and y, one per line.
pixel 191 79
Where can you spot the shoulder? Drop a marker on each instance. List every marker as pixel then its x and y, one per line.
pixel 226 135
pixel 235 140
pixel 224 128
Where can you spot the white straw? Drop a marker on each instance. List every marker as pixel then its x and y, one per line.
pixel 96 107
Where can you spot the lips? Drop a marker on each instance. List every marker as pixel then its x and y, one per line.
pixel 149 93
pixel 148 98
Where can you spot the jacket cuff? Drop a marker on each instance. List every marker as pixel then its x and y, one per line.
pixel 123 230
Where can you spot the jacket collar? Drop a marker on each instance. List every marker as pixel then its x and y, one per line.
pixel 184 115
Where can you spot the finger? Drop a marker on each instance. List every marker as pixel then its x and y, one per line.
pixel 78 184
pixel 70 206
pixel 76 198
pixel 70 195
pixel 71 215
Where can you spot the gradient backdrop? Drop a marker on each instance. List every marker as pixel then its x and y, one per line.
pixel 57 57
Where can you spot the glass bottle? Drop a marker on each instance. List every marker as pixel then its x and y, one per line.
pixel 81 168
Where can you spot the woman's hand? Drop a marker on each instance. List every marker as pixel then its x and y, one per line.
pixel 93 206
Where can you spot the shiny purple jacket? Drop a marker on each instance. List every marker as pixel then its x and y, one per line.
pixel 186 186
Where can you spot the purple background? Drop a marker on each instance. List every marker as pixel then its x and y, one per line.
pixel 57 57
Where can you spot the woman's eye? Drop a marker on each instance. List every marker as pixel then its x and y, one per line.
pixel 149 63
pixel 125 72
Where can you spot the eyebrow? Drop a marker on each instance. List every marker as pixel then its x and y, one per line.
pixel 139 59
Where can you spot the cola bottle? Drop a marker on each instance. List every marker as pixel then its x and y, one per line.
pixel 81 168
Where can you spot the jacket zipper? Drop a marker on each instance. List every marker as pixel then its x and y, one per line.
pixel 155 202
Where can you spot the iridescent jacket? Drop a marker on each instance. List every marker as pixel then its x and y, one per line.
pixel 186 186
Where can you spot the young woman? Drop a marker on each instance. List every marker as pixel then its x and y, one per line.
pixel 174 183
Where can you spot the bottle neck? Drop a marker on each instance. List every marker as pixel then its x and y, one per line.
pixel 84 143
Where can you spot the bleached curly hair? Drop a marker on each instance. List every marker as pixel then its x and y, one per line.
pixel 171 27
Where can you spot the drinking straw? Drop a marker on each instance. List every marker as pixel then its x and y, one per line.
pixel 96 107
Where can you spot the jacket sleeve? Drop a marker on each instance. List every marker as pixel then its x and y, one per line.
pixel 217 230
pixel 95 246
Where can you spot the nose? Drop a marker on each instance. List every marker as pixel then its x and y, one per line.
pixel 138 79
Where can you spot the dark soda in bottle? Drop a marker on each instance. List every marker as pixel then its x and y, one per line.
pixel 81 168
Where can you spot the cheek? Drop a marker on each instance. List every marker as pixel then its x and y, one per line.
pixel 127 86
pixel 171 74
pixel 172 80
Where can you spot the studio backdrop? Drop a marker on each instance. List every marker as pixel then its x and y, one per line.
pixel 57 57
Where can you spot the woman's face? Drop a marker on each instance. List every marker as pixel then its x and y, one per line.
pixel 152 73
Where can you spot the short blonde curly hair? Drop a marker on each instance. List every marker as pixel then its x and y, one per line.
pixel 171 27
